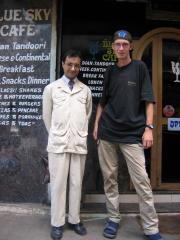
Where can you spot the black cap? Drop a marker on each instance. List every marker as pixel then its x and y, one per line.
pixel 122 34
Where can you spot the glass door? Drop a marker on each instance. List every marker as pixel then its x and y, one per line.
pixel 160 49
pixel 170 111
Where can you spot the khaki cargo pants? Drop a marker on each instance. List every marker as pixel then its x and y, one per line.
pixel 134 157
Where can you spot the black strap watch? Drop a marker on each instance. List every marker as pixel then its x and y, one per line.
pixel 151 126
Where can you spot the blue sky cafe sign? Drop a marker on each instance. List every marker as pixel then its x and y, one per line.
pixel 25 33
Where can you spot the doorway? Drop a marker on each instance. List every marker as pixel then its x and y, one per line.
pixel 160 49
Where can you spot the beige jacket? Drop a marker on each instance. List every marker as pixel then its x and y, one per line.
pixel 66 115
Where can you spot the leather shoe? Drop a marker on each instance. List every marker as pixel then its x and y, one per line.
pixel 78 228
pixel 56 232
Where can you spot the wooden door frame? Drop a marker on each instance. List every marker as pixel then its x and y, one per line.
pixel 155 38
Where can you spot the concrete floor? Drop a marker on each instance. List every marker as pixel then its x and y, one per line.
pixel 32 222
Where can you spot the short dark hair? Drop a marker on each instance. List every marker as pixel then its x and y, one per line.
pixel 71 53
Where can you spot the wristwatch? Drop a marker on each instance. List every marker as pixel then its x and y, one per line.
pixel 151 126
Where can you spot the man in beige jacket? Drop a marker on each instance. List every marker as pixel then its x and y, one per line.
pixel 67 107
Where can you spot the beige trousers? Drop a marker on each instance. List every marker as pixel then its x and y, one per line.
pixel 134 156
pixel 60 166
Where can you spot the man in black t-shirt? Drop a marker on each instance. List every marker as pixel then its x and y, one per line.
pixel 124 120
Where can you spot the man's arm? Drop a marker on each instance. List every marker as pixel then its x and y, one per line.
pixel 47 107
pixel 147 137
pixel 98 115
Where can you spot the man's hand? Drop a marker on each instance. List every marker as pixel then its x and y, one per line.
pixel 147 138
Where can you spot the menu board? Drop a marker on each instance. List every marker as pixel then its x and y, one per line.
pixel 97 55
pixel 25 53
pixel 25 45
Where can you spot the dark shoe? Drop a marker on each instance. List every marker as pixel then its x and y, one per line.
pixel 155 236
pixel 56 232
pixel 110 230
pixel 78 228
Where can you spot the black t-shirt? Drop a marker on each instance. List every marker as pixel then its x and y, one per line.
pixel 126 89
